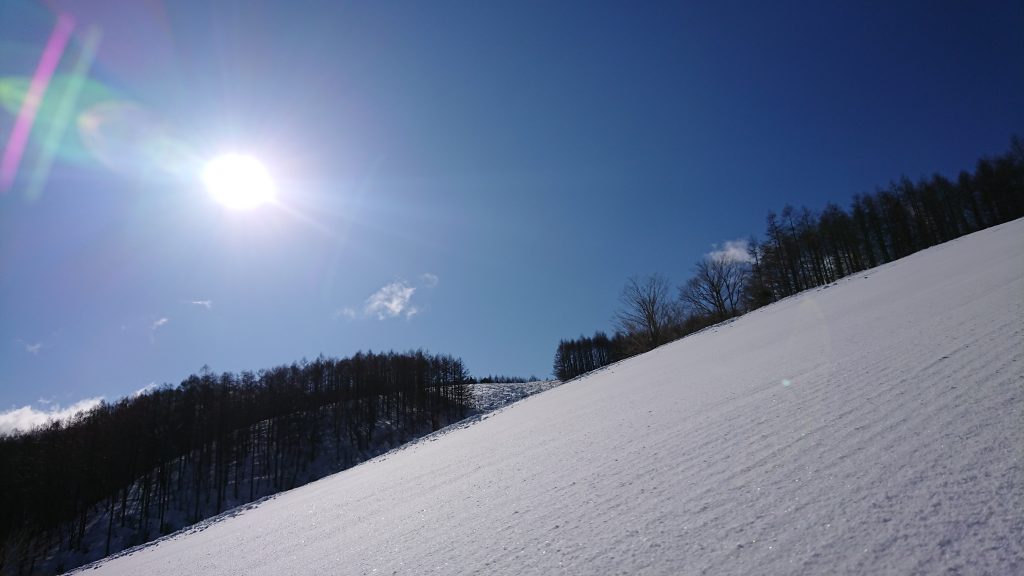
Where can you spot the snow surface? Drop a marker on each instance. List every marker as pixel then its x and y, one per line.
pixel 490 396
pixel 487 397
pixel 872 426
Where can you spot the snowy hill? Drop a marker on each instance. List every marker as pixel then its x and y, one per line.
pixel 872 426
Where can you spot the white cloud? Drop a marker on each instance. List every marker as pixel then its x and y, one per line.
pixel 731 251
pixel 204 303
pixel 391 301
pixel 144 390
pixel 159 323
pixel 26 418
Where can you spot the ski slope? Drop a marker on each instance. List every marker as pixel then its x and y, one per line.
pixel 875 426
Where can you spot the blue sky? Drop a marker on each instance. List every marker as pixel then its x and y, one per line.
pixel 467 177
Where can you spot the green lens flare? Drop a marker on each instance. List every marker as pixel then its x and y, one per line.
pixel 68 147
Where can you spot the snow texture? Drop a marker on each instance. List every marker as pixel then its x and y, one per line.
pixel 490 396
pixel 873 426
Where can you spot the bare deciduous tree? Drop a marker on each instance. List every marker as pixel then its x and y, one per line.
pixel 716 288
pixel 648 313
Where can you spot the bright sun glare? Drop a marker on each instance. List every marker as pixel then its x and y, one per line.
pixel 238 182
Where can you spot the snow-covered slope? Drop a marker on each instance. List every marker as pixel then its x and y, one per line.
pixel 490 396
pixel 874 426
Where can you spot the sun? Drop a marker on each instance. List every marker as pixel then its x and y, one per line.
pixel 238 181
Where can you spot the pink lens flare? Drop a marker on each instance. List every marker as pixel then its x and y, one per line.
pixel 33 99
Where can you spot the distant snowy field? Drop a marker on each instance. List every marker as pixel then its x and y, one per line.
pixel 870 427
pixel 489 396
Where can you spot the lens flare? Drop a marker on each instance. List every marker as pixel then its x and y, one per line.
pixel 65 109
pixel 23 125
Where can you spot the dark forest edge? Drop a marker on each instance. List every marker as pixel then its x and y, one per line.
pixel 126 472
pixel 802 249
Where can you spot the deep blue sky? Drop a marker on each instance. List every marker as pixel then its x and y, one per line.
pixel 529 157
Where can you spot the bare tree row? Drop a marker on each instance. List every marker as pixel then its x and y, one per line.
pixel 123 473
pixel 803 249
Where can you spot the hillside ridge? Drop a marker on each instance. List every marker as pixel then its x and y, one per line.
pixel 870 426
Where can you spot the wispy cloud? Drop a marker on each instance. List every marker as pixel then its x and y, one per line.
pixel 156 325
pixel 26 418
pixel 144 390
pixel 391 301
pixel 33 348
pixel 208 304
pixel 345 312
pixel 731 251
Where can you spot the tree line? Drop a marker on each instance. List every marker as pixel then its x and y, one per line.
pixel 803 249
pixel 502 379
pixel 122 473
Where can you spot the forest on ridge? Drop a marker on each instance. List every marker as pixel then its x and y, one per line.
pixel 124 473
pixel 803 249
